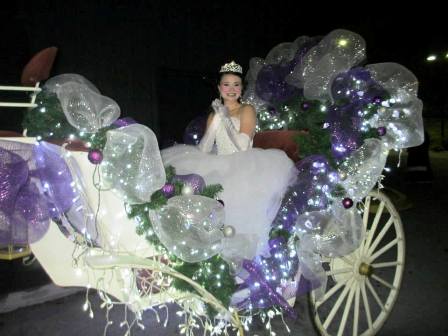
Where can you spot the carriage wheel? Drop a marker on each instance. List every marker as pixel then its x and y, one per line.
pixel 362 287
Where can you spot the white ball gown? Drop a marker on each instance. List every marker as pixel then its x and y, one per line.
pixel 254 182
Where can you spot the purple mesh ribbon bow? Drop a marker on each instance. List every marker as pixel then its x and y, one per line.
pixel 262 293
pixel 24 215
pixel 36 185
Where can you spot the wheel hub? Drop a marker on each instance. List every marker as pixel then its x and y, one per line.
pixel 360 268
pixel 365 269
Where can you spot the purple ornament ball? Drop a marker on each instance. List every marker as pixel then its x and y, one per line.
pixel 347 203
pixel 381 131
pixel 377 100
pixel 95 156
pixel 194 181
pixel 305 106
pixel 168 190
pixel 272 111
pixel 195 130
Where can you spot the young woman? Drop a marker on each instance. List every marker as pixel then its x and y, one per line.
pixel 254 180
pixel 231 125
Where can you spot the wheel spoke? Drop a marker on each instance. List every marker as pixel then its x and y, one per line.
pixel 337 305
pixel 383 282
pixel 380 259
pixel 347 260
pixel 387 264
pixel 365 221
pixel 384 249
pixel 372 230
pixel 375 295
pixel 356 312
pixel 339 271
pixel 348 303
pixel 365 217
pixel 380 235
pixel 331 292
pixel 365 301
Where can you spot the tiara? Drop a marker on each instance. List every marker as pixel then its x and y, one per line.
pixel 231 67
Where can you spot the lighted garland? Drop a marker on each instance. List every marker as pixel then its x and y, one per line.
pixel 349 117
pixel 345 111
pixel 47 120
pixel 311 116
pixel 212 274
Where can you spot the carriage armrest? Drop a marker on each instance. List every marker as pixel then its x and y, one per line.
pixel 72 145
pixel 10 134
pixel 281 139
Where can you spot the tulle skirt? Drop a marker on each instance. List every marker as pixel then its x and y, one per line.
pixel 254 182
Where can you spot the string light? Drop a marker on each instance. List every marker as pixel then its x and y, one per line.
pixel 278 268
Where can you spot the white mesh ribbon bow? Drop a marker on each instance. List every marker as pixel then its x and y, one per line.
pixel 83 105
pixel 132 165
pixel 190 227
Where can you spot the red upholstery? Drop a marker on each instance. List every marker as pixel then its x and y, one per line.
pixel 39 67
pixel 9 134
pixel 283 140
pixel 76 145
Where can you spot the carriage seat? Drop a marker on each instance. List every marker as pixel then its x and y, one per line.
pixel 283 140
pixel 279 139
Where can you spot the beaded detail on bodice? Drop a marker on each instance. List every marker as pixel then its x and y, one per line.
pixel 224 144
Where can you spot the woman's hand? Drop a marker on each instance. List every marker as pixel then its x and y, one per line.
pixel 219 108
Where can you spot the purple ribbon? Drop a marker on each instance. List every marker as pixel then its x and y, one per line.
pixel 122 122
pixel 263 294
pixel 36 185
pixel 278 273
pixel 24 216
pixel 55 178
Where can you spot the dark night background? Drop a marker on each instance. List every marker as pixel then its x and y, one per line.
pixel 157 58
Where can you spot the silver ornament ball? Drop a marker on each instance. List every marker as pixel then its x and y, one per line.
pixel 229 231
pixel 342 175
pixel 187 190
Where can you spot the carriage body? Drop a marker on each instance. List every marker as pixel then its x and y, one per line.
pixel 357 300
pixel 361 290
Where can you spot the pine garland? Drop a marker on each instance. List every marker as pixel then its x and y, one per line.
pixel 47 120
pixel 97 140
pixel 311 116
pixel 212 190
pixel 213 274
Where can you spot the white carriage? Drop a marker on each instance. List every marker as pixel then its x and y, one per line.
pixel 361 290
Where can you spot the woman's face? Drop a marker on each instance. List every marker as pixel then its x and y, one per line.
pixel 230 87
